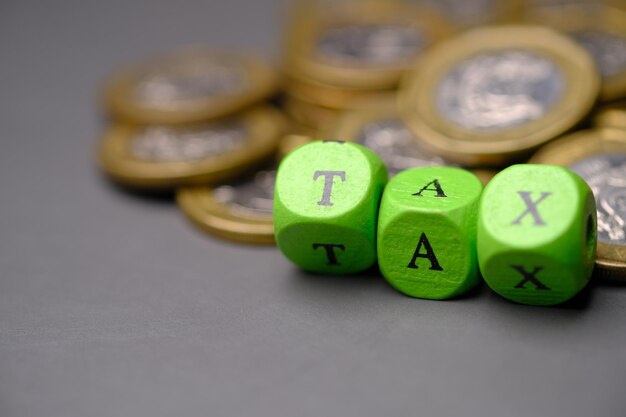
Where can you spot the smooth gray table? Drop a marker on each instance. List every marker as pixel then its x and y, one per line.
pixel 112 305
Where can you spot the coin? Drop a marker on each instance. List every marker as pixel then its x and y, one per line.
pixel 601 30
pixel 328 96
pixel 309 114
pixel 493 94
pixel 368 48
pixel 292 141
pixel 469 13
pixel 165 156
pixel 189 85
pixel 241 211
pixel 383 131
pixel 599 157
pixel 484 174
pixel 611 115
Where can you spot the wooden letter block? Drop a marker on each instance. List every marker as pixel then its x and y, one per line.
pixel 427 232
pixel 537 234
pixel 326 202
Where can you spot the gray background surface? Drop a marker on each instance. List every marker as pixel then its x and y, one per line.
pixel 112 305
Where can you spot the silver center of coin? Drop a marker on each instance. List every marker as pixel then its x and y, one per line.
pixel 255 196
pixel 606 175
pixel 396 145
pixel 371 44
pixel 499 90
pixel 165 144
pixel 171 85
pixel 607 49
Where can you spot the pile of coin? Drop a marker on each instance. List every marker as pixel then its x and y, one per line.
pixel 188 121
pixel 480 84
pixel 347 53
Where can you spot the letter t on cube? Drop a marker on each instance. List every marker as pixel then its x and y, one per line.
pixel 326 206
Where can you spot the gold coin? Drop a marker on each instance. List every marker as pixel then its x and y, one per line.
pixel 493 94
pixel 166 156
pixel 599 157
pixel 601 30
pixel 383 130
pixel 328 96
pixel 611 115
pixel 362 48
pixel 469 13
pixel 241 211
pixel 485 175
pixel 309 114
pixel 187 86
pixel 292 141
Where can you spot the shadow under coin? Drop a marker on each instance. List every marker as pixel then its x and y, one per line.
pixel 166 197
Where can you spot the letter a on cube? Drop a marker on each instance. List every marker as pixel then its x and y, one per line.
pixel 427 232
pixel 326 202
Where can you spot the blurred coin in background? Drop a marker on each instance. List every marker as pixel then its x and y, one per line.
pixel 599 157
pixel 601 30
pixel 485 174
pixel 290 142
pixel 166 156
pixel 308 114
pixel 240 211
pixel 491 95
pixel 611 115
pixel 365 46
pixel 189 85
pixel 383 131
pixel 470 13
pixel 328 96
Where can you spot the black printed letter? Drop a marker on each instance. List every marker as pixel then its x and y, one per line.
pixel 437 188
pixel 430 255
pixel 330 253
pixel 529 276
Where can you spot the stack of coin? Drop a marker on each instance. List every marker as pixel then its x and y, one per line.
pixel 336 57
pixel 190 117
pixel 191 120
pixel 611 115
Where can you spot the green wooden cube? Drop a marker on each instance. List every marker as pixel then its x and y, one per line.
pixel 537 234
pixel 427 232
pixel 326 202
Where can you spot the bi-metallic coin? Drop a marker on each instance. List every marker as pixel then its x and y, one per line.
pixel 611 115
pixel 241 211
pixel 166 156
pixel 367 49
pixel 599 157
pixel 328 96
pixel 187 86
pixel 601 30
pixel 383 131
pixel 469 13
pixel 493 94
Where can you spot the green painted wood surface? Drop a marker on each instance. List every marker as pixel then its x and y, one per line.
pixel 537 234
pixel 427 232
pixel 326 203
